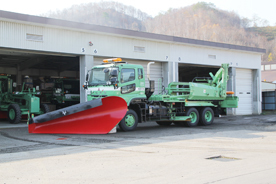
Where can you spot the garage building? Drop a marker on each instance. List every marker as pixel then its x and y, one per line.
pixel 43 47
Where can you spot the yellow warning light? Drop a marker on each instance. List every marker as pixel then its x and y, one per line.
pixel 112 60
pixel 117 59
pixel 230 92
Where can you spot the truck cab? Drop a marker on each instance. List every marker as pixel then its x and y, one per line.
pixel 116 78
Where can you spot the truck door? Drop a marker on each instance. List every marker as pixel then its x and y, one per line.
pixel 127 80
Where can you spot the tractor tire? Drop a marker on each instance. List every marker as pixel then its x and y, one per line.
pixel 193 112
pixel 129 122
pixel 206 116
pixel 14 114
pixel 44 108
pixel 164 123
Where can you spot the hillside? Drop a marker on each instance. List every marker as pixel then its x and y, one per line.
pixel 269 32
pixel 199 21
pixel 109 13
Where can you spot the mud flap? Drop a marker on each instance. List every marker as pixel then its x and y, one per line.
pixel 98 116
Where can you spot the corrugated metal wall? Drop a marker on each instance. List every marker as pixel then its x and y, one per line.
pixel 51 39
pixel 14 35
pixel 69 41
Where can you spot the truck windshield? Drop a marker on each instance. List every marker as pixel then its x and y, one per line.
pixel 101 76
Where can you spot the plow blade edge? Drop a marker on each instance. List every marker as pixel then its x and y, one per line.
pixel 98 116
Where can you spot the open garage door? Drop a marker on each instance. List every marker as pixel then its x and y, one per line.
pixel 155 72
pixel 244 91
pixel 187 72
pixel 15 62
pixel 38 69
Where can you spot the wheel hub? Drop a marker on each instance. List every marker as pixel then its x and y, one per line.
pixel 12 114
pixel 130 120
pixel 208 116
pixel 193 117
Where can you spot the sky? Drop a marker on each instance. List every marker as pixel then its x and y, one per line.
pixel 263 9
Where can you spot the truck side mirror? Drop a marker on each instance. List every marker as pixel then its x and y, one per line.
pixel 87 76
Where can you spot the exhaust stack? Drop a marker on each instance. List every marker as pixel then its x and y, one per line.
pixel 148 70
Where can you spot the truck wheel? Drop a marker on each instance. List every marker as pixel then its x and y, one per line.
pixel 14 113
pixel 44 108
pixel 194 117
pixel 206 116
pixel 129 122
pixel 164 123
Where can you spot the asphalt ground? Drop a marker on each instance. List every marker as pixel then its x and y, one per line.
pixel 234 149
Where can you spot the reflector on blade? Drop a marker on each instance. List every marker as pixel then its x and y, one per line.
pixel 98 116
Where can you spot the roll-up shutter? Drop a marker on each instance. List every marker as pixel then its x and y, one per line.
pixel 244 91
pixel 155 73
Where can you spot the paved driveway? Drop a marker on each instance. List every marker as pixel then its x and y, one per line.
pixel 234 149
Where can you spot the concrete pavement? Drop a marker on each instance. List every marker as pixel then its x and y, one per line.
pixel 152 154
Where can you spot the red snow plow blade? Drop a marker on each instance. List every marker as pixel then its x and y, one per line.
pixel 98 116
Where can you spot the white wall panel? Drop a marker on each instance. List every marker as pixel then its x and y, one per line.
pixel 13 35
pixel 199 55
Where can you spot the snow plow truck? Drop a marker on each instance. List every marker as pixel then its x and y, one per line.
pixel 117 95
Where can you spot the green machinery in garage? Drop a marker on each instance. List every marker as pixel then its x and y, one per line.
pixel 14 104
pixel 66 92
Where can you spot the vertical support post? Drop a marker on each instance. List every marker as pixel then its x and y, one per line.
pixel 165 71
pixel 231 86
pixel 85 62
pixel 257 98
pixel 172 72
pixel 176 74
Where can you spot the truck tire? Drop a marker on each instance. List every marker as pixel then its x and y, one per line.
pixel 129 122
pixel 14 114
pixel 164 123
pixel 206 116
pixel 44 108
pixel 193 112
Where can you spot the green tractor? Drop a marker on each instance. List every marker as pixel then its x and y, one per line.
pixel 14 104
pixel 66 92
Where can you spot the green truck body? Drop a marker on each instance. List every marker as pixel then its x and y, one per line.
pixel 183 103
pixel 17 103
